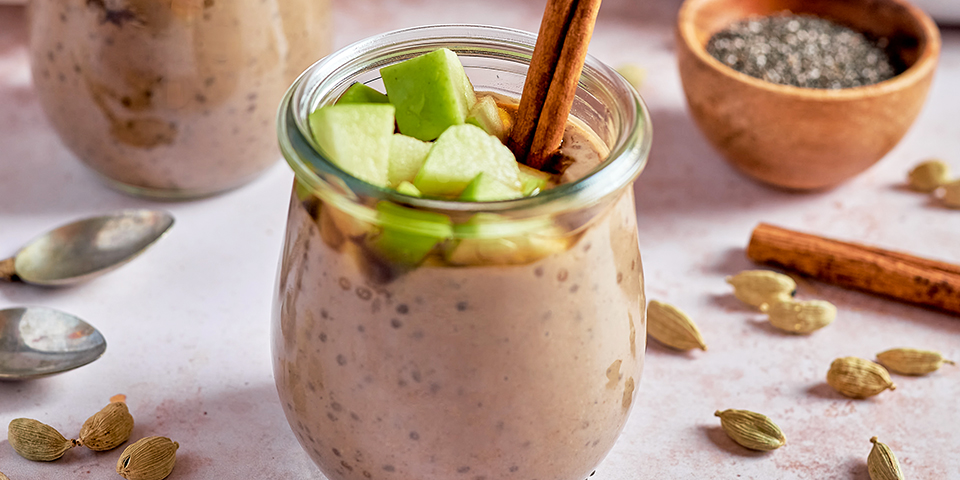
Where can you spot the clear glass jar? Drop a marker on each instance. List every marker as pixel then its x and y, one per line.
pixel 519 359
pixel 172 99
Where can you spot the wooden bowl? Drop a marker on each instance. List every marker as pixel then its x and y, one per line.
pixel 804 138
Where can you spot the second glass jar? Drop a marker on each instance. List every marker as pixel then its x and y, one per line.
pixel 172 99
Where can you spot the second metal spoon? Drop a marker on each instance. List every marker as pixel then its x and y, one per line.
pixel 41 341
pixel 86 248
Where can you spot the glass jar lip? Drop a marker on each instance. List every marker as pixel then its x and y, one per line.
pixel 626 160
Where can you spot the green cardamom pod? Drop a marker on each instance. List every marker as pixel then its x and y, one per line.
pixel 108 428
pixel 882 463
pixel 150 458
pixel 37 441
pixel 927 176
pixel 673 328
pixel 761 287
pixel 858 378
pixel 910 361
pixel 751 430
pixel 800 317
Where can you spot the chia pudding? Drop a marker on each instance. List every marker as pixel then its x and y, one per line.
pixel 176 98
pixel 516 362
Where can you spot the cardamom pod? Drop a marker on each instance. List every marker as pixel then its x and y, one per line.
pixel 759 287
pixel 800 317
pixel 910 361
pixel 929 175
pixel 751 430
pixel 108 428
pixel 858 378
pixel 37 441
pixel 951 194
pixel 882 463
pixel 150 458
pixel 671 327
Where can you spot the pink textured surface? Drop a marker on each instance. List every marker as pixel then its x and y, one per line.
pixel 187 323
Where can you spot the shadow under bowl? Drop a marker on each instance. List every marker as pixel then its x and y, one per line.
pixel 805 138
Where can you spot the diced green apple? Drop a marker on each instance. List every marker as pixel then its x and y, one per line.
pixel 329 231
pixel 409 235
pixel 533 181
pixel 491 225
pixel 484 188
pixel 431 93
pixel 303 192
pixel 490 239
pixel 406 157
pixel 459 155
pixel 360 93
pixel 357 138
pixel 346 222
pixel 486 115
pixel 408 188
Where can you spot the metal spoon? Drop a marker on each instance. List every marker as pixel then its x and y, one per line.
pixel 40 341
pixel 86 248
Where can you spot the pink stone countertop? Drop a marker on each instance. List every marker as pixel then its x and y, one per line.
pixel 187 323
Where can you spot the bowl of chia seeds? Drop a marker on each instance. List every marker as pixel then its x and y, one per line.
pixel 805 94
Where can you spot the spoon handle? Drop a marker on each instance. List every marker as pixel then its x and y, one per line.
pixel 7 269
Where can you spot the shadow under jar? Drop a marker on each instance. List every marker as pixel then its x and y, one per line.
pixel 172 99
pixel 517 359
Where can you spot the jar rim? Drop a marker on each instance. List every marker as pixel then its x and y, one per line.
pixel 626 160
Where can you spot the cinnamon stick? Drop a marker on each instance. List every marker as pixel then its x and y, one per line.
pixel 552 79
pixel 543 63
pixel 893 274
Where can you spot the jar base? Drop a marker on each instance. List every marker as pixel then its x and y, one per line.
pixel 172 194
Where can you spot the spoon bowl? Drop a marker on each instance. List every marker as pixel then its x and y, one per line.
pixel 86 248
pixel 40 341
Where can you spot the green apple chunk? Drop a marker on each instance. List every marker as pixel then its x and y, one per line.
pixel 346 218
pixel 431 92
pixel 459 155
pixel 484 188
pixel 408 235
pixel 490 239
pixel 533 181
pixel 356 137
pixel 303 192
pixel 406 157
pixel 360 93
pixel 486 115
pixel 408 188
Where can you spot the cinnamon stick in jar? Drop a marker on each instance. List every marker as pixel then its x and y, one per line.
pixel 897 275
pixel 563 86
pixel 552 79
pixel 543 65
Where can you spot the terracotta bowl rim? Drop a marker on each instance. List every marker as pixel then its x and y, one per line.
pixel 923 67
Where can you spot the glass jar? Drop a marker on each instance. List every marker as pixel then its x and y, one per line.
pixel 508 351
pixel 172 99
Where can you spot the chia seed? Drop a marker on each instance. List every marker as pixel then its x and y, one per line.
pixel 803 51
